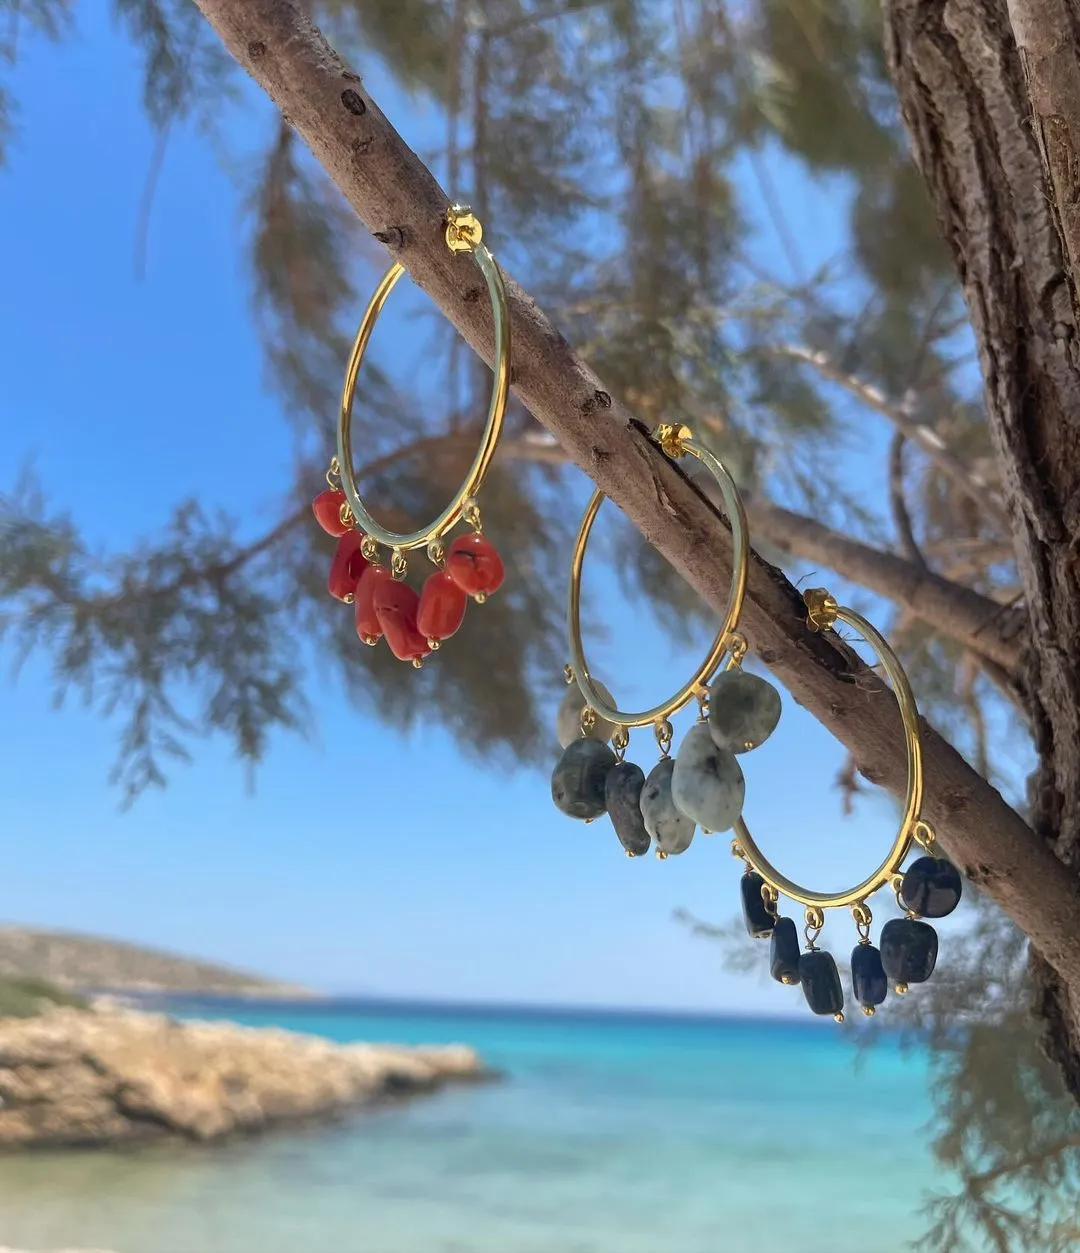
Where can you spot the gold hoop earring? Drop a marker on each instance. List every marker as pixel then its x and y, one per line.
pixel 930 888
pixel 703 784
pixel 413 624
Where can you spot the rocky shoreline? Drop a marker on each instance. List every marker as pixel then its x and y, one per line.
pixel 111 1076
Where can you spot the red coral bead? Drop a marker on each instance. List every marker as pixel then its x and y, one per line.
pixel 327 510
pixel 474 565
pixel 442 607
pixel 395 607
pixel 367 621
pixel 348 566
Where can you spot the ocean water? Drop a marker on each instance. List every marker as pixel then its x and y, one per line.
pixel 610 1134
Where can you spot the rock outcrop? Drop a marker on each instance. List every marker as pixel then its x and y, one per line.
pixel 109 1076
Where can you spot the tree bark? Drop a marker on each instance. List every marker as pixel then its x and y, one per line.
pixel 400 202
pixel 996 133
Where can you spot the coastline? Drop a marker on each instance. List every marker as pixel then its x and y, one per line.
pixel 623 1134
pixel 110 1076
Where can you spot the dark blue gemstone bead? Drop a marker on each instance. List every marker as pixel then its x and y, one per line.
pixel 821 982
pixel 622 795
pixel 908 950
pixel 784 952
pixel 759 921
pixel 932 887
pixel 577 782
pixel 868 979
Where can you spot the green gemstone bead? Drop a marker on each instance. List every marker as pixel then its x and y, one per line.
pixel 743 711
pixel 665 822
pixel 707 783
pixel 579 778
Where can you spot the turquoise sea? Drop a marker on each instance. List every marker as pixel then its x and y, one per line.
pixel 612 1133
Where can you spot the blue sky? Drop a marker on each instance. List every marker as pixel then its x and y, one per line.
pixel 128 395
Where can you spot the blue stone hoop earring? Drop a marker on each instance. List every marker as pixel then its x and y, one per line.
pixel 930 887
pixel 703 784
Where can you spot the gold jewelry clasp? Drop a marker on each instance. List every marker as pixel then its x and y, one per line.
pixel 463 229
pixel 672 438
pixel 821 607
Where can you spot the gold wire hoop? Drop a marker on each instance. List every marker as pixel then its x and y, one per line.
pixel 463 234
pixel 823 612
pixel 674 441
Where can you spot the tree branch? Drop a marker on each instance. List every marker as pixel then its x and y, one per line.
pixel 900 415
pixel 981 624
pixel 401 203
pixel 989 630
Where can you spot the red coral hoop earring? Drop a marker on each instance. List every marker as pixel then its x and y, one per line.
pixel 415 624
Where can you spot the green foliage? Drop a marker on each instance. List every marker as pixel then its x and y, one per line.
pixel 27 998
pixel 186 70
pixel 125 631
pixel 21 20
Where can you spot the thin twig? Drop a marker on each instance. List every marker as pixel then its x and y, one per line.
pixel 157 162
pixel 901 518
pixel 978 1184
pixel 969 697
pixel 900 414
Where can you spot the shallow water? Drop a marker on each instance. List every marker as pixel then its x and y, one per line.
pixel 611 1134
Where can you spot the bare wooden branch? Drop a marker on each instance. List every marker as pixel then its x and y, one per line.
pixel 991 630
pixel 401 203
pixel 984 626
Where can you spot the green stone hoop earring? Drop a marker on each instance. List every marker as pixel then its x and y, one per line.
pixel 702 785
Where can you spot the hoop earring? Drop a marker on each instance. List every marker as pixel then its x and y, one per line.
pixel 384 605
pixel 930 888
pixel 703 784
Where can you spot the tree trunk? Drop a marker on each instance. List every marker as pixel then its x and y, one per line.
pixel 990 93
pixel 1032 879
